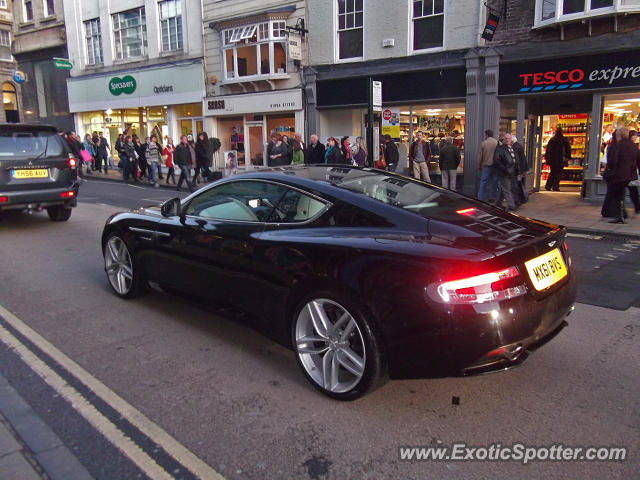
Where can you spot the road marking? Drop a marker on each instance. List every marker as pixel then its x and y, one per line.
pixel 584 235
pixel 631 245
pixel 622 250
pixel 603 258
pixel 169 444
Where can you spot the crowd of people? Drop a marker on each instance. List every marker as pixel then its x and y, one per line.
pixel 143 161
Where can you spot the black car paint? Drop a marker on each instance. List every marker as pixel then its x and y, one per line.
pixel 265 269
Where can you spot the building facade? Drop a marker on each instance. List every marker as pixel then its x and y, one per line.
pixel 419 53
pixel 573 63
pixel 254 73
pixel 39 37
pixel 137 67
pixel 11 98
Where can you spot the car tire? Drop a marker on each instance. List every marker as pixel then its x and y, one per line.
pixel 123 276
pixel 340 352
pixel 59 213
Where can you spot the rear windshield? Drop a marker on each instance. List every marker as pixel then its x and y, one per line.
pixel 399 192
pixel 25 144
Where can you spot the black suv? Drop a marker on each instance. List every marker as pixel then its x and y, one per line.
pixel 37 170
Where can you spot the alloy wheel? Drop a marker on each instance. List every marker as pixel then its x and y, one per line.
pixel 118 264
pixel 330 345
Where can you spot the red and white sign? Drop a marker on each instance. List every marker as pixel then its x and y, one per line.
pixel 574 116
pixel 386 114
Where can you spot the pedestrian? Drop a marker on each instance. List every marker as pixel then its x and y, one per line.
pixel 271 144
pixel 204 154
pixel 622 167
pixel 504 161
pixel 279 152
pixel 360 154
pixel 315 151
pixel 449 161
pixel 298 150
pixel 103 152
pixel 345 150
pixel 332 154
pixel 391 154
pixel 634 184
pixel 90 147
pixel 140 155
pixel 152 154
pixel 419 154
pixel 489 175
pixel 182 158
pixel 558 150
pixel 288 157
pixel 519 188
pixel 123 163
pixel 192 156
pixel 167 155
pixel 132 165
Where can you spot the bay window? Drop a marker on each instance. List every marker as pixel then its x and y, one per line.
pixel 255 50
pixel 130 33
pixel 557 11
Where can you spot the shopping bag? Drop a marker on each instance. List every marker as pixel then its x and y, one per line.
pixel 86 156
pixel 524 195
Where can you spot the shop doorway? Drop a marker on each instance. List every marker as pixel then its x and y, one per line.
pixel 10 101
pixel 575 129
pixel 256 146
pixel 190 126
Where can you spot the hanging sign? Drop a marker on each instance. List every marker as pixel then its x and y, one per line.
pixel 295 46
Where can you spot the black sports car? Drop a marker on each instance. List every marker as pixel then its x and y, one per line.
pixel 365 274
pixel 37 170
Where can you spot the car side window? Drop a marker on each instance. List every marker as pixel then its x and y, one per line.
pixel 295 207
pixel 241 200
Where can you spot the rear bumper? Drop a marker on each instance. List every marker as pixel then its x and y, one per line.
pixel 42 198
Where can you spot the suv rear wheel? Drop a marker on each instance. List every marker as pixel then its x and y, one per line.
pixel 59 213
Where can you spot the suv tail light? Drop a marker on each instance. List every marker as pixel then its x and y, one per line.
pixel 488 287
pixel 4 199
pixel 72 161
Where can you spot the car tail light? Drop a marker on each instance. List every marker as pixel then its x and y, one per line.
pixel 488 287
pixel 72 161
pixel 69 194
pixel 4 199
pixel 466 211
pixel 566 249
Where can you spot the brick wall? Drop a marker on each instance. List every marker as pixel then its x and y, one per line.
pixel 517 25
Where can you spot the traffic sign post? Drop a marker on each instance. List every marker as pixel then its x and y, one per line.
pixel 62 63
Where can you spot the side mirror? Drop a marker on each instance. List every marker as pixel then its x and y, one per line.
pixel 171 208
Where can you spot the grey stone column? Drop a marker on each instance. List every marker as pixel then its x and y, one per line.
pixel 521 115
pixel 312 116
pixel 491 102
pixel 474 120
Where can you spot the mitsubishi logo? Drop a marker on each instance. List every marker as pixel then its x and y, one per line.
pixel 552 243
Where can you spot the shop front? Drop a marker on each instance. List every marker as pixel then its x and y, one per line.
pixel 429 101
pixel 588 96
pixel 244 123
pixel 164 100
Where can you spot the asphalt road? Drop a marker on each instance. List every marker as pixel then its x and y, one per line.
pixel 238 401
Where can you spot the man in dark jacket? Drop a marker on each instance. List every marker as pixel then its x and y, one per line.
pixel 623 159
pixel 558 149
pixel 419 154
pixel 504 161
pixel 518 189
pixel 182 158
pixel 391 154
pixel 315 151
pixel 449 160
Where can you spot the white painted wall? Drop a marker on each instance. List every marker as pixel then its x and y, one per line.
pixel 78 11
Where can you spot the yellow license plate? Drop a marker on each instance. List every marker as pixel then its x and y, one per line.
pixel 546 269
pixel 35 173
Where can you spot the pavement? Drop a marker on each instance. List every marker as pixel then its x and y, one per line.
pixel 566 208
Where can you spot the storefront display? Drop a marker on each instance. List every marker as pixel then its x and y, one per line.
pixel 574 128
pixel 622 110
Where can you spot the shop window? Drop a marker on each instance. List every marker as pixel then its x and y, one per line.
pixel 10 102
pixel 27 10
pixel 49 8
pixel 554 11
pixel 620 110
pixel 130 33
pixel 428 24
pixel 188 110
pixel 93 38
pixel 254 50
pixel 171 24
pixel 350 29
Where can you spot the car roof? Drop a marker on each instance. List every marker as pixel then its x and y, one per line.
pixel 28 127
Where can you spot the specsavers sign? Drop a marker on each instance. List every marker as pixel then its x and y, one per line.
pixel 589 72
pixel 167 84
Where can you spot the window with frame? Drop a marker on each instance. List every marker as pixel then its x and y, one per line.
pixel 550 11
pixel 428 24
pixel 93 39
pixel 129 33
pixel 27 10
pixel 255 50
pixel 5 38
pixel 49 7
pixel 3 3
pixel 171 24
pixel 350 29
